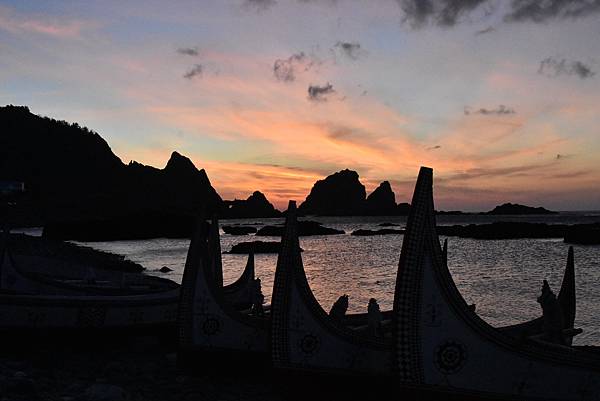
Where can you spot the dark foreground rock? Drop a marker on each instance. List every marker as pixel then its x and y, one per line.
pixel 305 228
pixel 238 230
pixel 256 247
pixel 383 231
pixel 165 269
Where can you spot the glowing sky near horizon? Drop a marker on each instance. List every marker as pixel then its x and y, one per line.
pixel 504 107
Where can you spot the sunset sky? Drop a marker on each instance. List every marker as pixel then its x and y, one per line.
pixel 501 98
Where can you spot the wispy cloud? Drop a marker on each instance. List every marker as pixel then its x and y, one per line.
pixel 58 27
pixel 195 71
pixel 489 29
pixel 188 51
pixel 351 50
pixel 286 70
pixel 552 66
pixel 498 111
pixel 542 11
pixel 259 5
pixel 440 12
pixel 318 93
pixel 447 13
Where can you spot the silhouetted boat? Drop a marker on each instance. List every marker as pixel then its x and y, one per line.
pixel 453 349
pixel 425 340
pixel 216 320
pixel 41 292
pixel 32 302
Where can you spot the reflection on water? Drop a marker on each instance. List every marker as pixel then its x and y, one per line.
pixel 502 277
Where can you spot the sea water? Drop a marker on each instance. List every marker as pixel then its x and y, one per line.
pixel 503 278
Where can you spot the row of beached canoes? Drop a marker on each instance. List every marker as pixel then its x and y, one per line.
pixel 431 340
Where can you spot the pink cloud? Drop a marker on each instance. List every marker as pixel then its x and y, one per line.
pixel 41 24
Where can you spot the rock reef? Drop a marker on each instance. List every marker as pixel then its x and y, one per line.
pixel 305 228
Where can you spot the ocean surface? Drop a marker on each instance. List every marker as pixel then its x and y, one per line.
pixel 502 277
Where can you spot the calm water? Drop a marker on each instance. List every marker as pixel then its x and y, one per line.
pixel 503 278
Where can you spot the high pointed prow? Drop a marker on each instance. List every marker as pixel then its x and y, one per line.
pixel 567 296
pixel 193 267
pixel 214 249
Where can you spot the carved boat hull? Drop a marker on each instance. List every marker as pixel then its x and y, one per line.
pixel 304 337
pixel 441 344
pixel 52 312
pixel 208 323
pixel 35 304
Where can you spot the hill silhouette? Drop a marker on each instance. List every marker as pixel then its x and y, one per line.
pixel 74 180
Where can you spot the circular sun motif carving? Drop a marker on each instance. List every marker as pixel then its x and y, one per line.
pixel 450 357
pixel 211 325
pixel 309 344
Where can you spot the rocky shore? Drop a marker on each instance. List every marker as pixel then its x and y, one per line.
pixel 130 370
pixel 29 245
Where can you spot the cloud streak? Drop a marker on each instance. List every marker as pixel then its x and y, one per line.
pixel 195 71
pixel 501 110
pixel 318 93
pixel 554 67
pixel 444 13
pixel 41 25
pixel 188 51
pixel 286 70
pixel 259 5
pixel 350 50
pixel 542 11
pixel 447 13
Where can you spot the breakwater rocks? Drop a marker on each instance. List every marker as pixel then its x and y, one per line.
pixel 587 234
pixel 305 228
